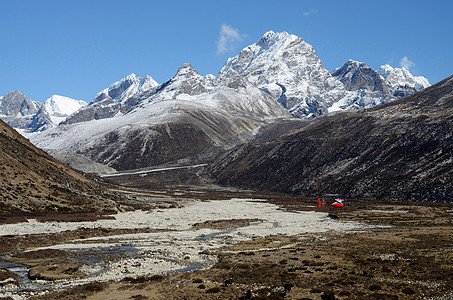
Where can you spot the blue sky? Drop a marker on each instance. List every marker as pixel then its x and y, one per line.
pixel 77 48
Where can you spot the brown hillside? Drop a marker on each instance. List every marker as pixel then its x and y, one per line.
pixel 31 181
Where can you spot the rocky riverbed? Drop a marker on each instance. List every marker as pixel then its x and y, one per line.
pixel 277 246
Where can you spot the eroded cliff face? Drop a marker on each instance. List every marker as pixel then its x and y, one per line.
pixel 401 150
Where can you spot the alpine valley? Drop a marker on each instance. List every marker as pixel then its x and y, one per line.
pixel 217 187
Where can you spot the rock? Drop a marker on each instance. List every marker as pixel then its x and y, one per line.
pixel 55 270
pixel 8 279
pixel 327 297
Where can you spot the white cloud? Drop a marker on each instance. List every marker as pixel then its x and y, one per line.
pixel 406 63
pixel 310 12
pixel 229 39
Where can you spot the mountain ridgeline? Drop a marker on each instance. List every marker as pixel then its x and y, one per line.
pixel 137 123
pixel 275 116
pixel 27 115
pixel 402 150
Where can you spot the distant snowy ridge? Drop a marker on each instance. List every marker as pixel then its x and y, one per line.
pixel 368 88
pixel 136 122
pixel 28 116
pixel 119 98
pixel 288 69
pixel 127 87
pixel 282 65
pixel 184 118
pixel 399 78
pixel 60 105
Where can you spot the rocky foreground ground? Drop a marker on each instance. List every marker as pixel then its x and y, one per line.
pixel 407 257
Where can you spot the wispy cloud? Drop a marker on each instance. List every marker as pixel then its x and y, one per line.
pixel 229 39
pixel 310 12
pixel 406 63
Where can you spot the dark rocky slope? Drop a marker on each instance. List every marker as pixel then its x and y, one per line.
pixel 402 150
pixel 31 181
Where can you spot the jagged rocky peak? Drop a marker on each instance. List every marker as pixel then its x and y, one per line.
pixel 358 76
pixel 120 97
pixel 126 88
pixel 278 39
pixel 187 70
pixel 15 103
pixel 22 113
pixel 268 48
pixel 148 83
pixel 287 68
pixel 186 81
pixel 401 82
pixel 403 78
pixel 367 88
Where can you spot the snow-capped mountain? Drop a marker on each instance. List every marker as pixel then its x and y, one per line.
pixel 401 81
pixel 365 87
pixel 22 113
pixel 288 69
pixel 137 122
pixel 126 88
pixel 120 97
pixel 357 75
pixel 183 118
pixel 186 81
pixel 29 116
pixel 368 88
pixel 60 107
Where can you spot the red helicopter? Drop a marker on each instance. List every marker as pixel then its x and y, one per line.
pixel 337 202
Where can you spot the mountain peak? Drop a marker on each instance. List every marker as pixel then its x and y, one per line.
pixel 62 106
pixel 15 95
pixel 402 79
pixel 22 113
pixel 270 38
pixel 354 63
pixel 16 102
pixel 186 81
pixel 186 70
pixel 132 76
pixel 126 87
pixel 358 76
pixel 385 70
pixel 288 69
pixel 16 92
